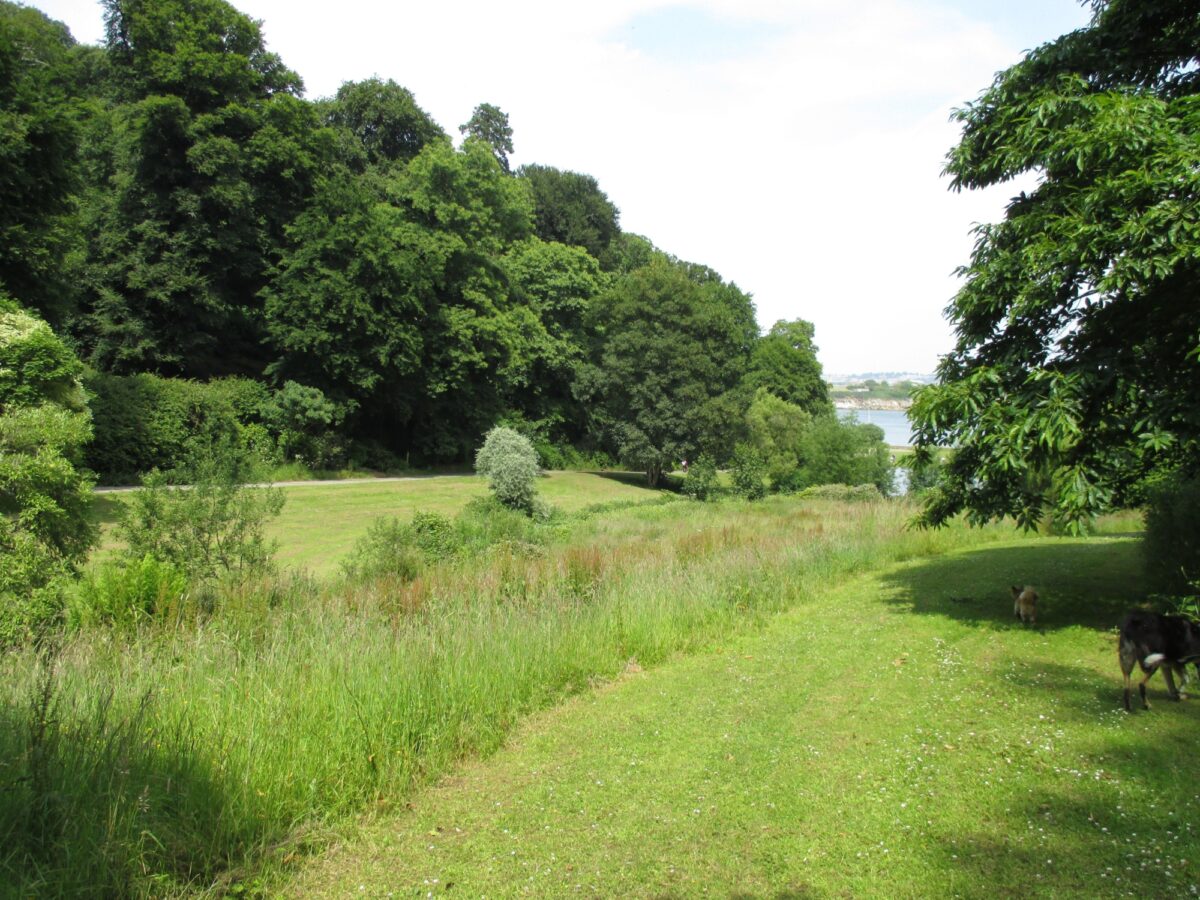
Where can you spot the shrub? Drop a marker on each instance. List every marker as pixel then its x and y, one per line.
pixel 1172 539
pixel 845 452
pixel 485 521
pixel 146 422
pixel 210 527
pixel 510 464
pixel 388 550
pixel 305 421
pixel 700 482
pixel 560 456
pixel 434 535
pixel 749 471
pixel 44 499
pixel 31 586
pixel 126 593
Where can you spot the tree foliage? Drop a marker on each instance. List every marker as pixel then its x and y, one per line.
pixel 570 208
pixel 45 531
pixel 193 225
pixel 776 428
pixel 671 339
pixel 784 362
pixel 39 171
pixel 385 119
pixel 212 153
pixel 510 464
pixel 489 124
pixel 1075 370
pixel 833 451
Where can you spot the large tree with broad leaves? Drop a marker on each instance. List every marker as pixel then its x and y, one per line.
pixel 1076 369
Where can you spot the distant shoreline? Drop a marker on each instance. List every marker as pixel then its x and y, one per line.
pixel 867 403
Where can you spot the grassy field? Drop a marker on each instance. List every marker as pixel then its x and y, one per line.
pixel 715 699
pixel 897 736
pixel 321 522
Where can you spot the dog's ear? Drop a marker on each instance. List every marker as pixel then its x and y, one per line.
pixel 1016 591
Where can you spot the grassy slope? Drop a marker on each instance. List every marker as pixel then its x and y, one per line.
pixel 321 522
pixel 899 736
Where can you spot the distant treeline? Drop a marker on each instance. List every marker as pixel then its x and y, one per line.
pixel 870 389
pixel 182 216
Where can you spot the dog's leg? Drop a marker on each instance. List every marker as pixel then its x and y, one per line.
pixel 1125 654
pixel 1172 691
pixel 1142 685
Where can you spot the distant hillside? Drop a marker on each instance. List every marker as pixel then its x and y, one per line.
pixel 881 377
pixel 871 393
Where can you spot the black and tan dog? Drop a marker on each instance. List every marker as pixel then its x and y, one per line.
pixel 1155 642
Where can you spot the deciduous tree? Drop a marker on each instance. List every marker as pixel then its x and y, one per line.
pixel 1077 362
pixel 672 338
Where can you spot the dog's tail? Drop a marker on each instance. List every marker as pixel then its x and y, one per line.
pixel 1153 659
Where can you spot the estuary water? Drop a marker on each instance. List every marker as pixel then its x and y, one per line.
pixel 897 432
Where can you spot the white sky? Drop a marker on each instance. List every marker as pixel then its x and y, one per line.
pixel 795 146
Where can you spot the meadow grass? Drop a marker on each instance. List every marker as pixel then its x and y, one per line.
pixel 895 735
pixel 320 523
pixel 192 758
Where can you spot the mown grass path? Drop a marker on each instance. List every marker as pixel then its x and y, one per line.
pixel 900 736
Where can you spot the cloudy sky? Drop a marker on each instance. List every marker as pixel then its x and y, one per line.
pixel 795 146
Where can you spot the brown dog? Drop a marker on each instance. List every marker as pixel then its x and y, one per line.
pixel 1025 604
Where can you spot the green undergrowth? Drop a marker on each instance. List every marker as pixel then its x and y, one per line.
pixel 193 758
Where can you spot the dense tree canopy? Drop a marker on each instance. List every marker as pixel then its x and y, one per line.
pixel 571 209
pixel 384 118
pixel 671 342
pixel 1077 364
pixel 179 211
pixel 38 156
pixel 213 153
pixel 784 362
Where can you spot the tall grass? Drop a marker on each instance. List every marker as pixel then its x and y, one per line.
pixel 184 759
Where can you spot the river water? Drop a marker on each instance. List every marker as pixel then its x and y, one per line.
pixel 897 431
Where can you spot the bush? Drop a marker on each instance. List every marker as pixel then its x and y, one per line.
pixel 510 464
pixel 212 525
pixel 749 472
pixel 700 482
pixel 305 421
pixel 1172 539
pixel 434 535
pixel 44 499
pixel 31 586
pixel 127 593
pixel 560 456
pixel 388 550
pixel 845 452
pixel 485 522
pixel 146 422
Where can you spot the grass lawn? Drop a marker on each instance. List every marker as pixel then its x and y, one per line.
pixel 321 522
pixel 899 736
